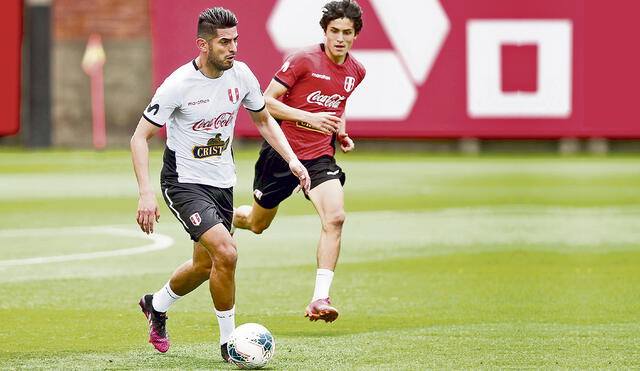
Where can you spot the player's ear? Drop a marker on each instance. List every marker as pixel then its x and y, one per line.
pixel 202 44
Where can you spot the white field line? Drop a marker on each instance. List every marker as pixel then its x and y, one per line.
pixel 159 242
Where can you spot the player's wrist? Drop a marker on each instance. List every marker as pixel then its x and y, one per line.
pixel 293 159
pixel 146 192
pixel 307 116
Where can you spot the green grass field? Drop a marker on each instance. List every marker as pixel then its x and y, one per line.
pixel 447 263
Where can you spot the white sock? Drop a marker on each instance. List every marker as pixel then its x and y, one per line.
pixel 227 323
pixel 163 299
pixel 323 284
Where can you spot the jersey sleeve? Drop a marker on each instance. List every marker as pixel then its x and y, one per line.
pixel 163 103
pixel 291 70
pixel 253 100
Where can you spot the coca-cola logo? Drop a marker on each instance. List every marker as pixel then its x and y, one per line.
pixel 330 101
pixel 221 121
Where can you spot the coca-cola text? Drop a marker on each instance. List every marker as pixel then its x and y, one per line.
pixel 329 101
pixel 221 121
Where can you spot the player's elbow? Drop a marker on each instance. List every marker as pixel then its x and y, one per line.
pixel 133 142
pixel 271 104
pixel 137 140
pixel 268 100
pixel 258 228
pixel 140 138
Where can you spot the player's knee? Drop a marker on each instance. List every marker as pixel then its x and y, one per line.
pixel 334 220
pixel 226 256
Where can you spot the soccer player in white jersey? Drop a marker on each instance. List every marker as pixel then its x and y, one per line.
pixel 198 103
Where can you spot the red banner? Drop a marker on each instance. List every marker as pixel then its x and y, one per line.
pixel 11 41
pixel 450 68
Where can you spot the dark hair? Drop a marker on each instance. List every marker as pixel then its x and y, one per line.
pixel 212 19
pixel 342 9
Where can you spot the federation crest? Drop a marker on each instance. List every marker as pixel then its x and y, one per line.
pixel 349 83
pixel 195 219
pixel 234 95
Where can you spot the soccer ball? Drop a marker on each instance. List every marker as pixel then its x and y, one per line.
pixel 251 346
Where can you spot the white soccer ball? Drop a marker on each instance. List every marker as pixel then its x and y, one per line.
pixel 251 346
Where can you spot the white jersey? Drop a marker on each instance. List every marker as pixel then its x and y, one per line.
pixel 200 114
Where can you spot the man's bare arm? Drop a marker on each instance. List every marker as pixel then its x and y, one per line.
pixel 327 122
pixel 346 143
pixel 271 131
pixel 148 212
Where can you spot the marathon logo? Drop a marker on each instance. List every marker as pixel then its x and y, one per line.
pixel 320 76
pixel 201 101
pixel 307 126
pixel 214 148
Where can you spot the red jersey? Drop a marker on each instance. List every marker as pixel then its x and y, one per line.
pixel 316 84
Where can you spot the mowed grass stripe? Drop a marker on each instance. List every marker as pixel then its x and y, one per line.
pixel 368 236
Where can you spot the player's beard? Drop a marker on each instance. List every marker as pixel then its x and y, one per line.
pixel 218 64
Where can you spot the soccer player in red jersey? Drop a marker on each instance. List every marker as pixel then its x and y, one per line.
pixel 308 96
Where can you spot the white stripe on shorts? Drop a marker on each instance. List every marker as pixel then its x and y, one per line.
pixel 174 210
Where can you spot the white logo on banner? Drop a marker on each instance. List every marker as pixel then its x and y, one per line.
pixel 485 97
pixel 395 72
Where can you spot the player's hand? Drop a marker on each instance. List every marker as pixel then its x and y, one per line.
pixel 301 173
pixel 346 144
pixel 327 122
pixel 148 212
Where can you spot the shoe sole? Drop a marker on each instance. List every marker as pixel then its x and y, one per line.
pixel 325 315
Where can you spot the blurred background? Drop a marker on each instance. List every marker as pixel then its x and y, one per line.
pixel 448 75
